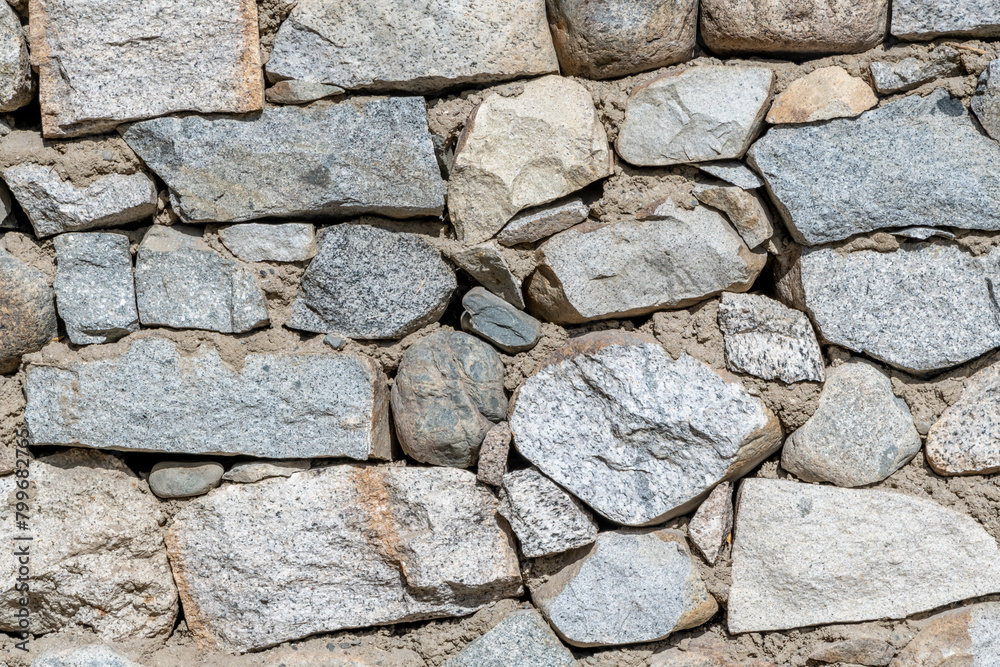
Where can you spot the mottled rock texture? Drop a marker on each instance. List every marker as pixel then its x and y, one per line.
pixel 733 171
pixel 16 84
pixel 965 636
pixel 254 471
pixel 546 519
pixel 493 454
pixel 913 72
pixel 746 211
pixel 523 639
pixel 859 651
pixel 711 524
pixel 488 267
pixel 27 311
pixel 300 92
pixel 94 655
pixel 966 439
pixel 927 19
pixel 254 242
pixel 829 92
pixel 986 102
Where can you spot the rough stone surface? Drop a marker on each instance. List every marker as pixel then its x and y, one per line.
pixel 27 311
pixel 497 321
pixel 861 651
pixel 181 56
pixel 965 636
pixel 254 242
pixel 95 655
pixel 966 439
pixel 695 115
pixel 95 288
pixel 254 471
pixel 447 395
pixel 181 282
pixel 917 161
pixel 488 267
pixel 278 406
pixel 370 283
pixel 7 218
pixel 808 555
pixel 986 102
pixel 325 159
pixel 360 546
pixel 637 436
pixel 523 151
pixel 16 85
pixel 926 19
pixel 860 434
pixel 829 92
pixel 300 92
pixel 911 73
pixel 539 223
pixel 546 519
pixel 711 524
pixel 733 171
pixel 171 479
pixel 745 210
pixel 336 341
pixel 493 455
pixel 421 48
pixel 523 639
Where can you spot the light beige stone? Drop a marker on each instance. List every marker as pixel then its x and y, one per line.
pixel 967 636
pixel 745 209
pixel 829 92
pixel 711 524
pixel 966 439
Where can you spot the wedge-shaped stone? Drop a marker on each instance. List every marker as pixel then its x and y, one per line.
pixel 986 102
pixel 278 406
pixel 807 555
pixel 713 522
pixel 28 308
pixel 926 19
pixel 523 639
pixel 745 210
pixel 360 546
pixel 966 439
pixel 546 519
pixel 733 171
pixel 964 636
pixel 538 223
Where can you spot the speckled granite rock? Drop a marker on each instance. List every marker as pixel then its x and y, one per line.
pixel 94 655
pixel 825 93
pixel 966 438
pixel 546 519
pixel 523 639
pixel 173 479
pixel 733 171
pixel 500 323
pixel 711 524
pixel 927 19
pixel 986 102
pixel 29 311
pixel 493 454
pixel 16 84
pixel 964 636
pixel 254 242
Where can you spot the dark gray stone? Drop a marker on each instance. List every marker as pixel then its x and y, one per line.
pixel 500 323
pixel 487 266
pixel 986 102
pixel 28 309
pixel 172 479
pixel 926 19
pixel 523 639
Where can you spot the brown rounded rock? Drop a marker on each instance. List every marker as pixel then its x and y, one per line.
pixel 27 311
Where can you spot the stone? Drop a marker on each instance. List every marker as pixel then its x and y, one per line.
pixel 173 479
pixel 922 20
pixel 493 455
pixel 713 522
pixel 97 556
pixel 95 288
pixel 523 639
pixel 16 84
pixel 916 161
pixel 733 171
pixel 255 242
pixel 326 159
pixel 447 395
pixel 986 102
pixel 354 653
pixel 27 303
pixel 694 115
pixel 183 283
pixel 330 41
pixel 254 471
pixel 360 546
pixel 825 93
pixel 964 636
pixel 911 73
pixel 54 206
pixel 546 519
pixel 336 341
pixel 674 657
pixel 94 655
pixel 921 233
pixel 861 651
pixel 612 40
pixel 646 576
pixel 522 151
pixel 201 57
pixel 7 218
pixel 965 440
pixel 637 436
pixel 745 210
pixel 860 434
pixel 278 405
pixel 300 92
pixel 370 283
pixel 809 555
pixel 494 319
pixel 768 340
pixel 675 258
pixel 488 267
pixel 796 26
pixel 538 223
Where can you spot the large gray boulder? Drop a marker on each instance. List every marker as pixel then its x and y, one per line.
pixel 986 102
pixel 29 311
pixel 523 639
pixel 965 440
pixel 926 19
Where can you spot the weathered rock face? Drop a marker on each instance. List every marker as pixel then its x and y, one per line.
pixel 326 159
pixel 606 40
pixel 926 19
pixel 184 479
pixel 16 84
pixel 277 406
pixel 254 471
pixel 644 576
pixel 546 519
pixel 27 311
pixel 253 242
pixel 523 151
pixel 330 41
pixel 807 555
pixel 745 210
pixel 300 92
pixel 487 266
pixel 538 223
pixel 447 395
pixel 969 635
pixel 362 546
pixel 915 161
pixel 711 524
pixel 910 73
pixel 966 439
pixel 523 639
pixel 87 656
pixel 97 558
pixel 675 259
pixel 181 57
pixel 497 321
pixel 829 92
pixel 986 102
pixel 645 449
pixel 369 283
pixel 493 454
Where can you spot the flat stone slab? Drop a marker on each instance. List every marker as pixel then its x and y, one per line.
pixel 300 92
pixel 173 479
pixel 538 223
pixel 546 519
pixel 488 267
pixel 965 440
pixel 733 171
pixel 986 102
pixel 29 311
pixel 523 639
pixel 254 471
pixel 922 20
pixel 825 93
pixel 254 242
pixel 361 546
pixel 500 323
pixel 278 406
pixel 808 555
pixel 967 635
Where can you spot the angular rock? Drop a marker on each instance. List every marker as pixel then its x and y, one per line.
pixel 172 479
pixel 538 223
pixel 493 454
pixel 807 555
pixel 964 636
pixel 922 233
pixel 645 576
pixel 695 115
pixel 369 283
pixel 922 20
pixel 7 218
pixel 360 546
pixel 16 84
pixel 183 283
pixel 327 159
pixel 673 657
pixel 986 102
pixel 488 267
pixel 633 267
pixel 829 92
pixel 965 440
pixel 711 524
pixel 330 41
pixel 638 437
pixel 254 242
pixel 94 655
pixel 201 56
pixel 733 171
pixel 745 210
pixel 523 151
pixel 861 651
pixel 95 287
pixel 611 40
pixel 523 639
pixel 447 394
pixel 917 161
pixel 768 340
pixel 336 341
pixel 279 406
pixel 300 92
pixel 546 519
pixel 497 321
pixel 254 471
pixel 27 303
pixel 911 73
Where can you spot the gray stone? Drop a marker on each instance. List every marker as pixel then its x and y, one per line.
pixel 911 73
pixel 254 471
pixel 500 323
pixel 965 440
pixel 711 525
pixel 330 41
pixel 922 233
pixel 859 651
pixel 493 454
pixel 695 115
pixel 183 283
pixel 745 210
pixel 674 258
pixel 768 340
pixel 369 283
pixel 986 102
pixel 325 159
pixel 964 636
pixel 637 436
pixel 523 639
pixel 255 242
pixel 733 171
pixel 538 223
pixel 447 394
pixel 808 555
pixel 488 267
pixel 98 69
pixel 278 406
pixel 916 161
pixel 7 218
pixel 860 434
pixel 922 20
pixel 172 479
pixel 300 92
pixel 16 84
pixel 546 519
pixel 94 655
pixel 95 288
pixel 647 577
pixel 336 341
pixel 27 303
pixel 359 546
